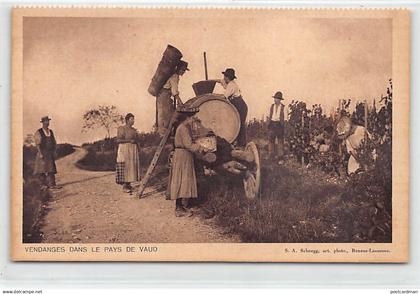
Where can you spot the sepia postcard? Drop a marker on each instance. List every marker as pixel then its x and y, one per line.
pixel 210 134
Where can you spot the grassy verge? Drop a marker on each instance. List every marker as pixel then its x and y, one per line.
pixel 34 198
pixel 296 206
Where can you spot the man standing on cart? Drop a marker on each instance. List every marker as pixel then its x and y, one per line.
pixel 233 94
pixel 165 105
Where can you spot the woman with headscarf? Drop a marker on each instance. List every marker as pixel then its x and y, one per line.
pixel 128 167
pixel 183 183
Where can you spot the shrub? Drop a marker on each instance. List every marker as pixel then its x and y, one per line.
pixel 34 198
pixel 105 161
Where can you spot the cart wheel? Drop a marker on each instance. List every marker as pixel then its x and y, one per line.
pixel 252 177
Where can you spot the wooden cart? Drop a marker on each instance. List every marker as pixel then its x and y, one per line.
pixel 220 117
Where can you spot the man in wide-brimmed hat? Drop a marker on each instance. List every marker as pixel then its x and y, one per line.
pixel 233 94
pixel 165 104
pixel 46 144
pixel 276 128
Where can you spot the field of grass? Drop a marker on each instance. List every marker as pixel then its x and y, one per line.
pixel 297 205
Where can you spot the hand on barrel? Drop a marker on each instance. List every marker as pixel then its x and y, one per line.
pixel 207 155
pixel 204 150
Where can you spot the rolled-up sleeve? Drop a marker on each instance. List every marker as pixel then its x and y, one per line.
pixel 229 90
pixel 223 83
pixel 37 138
pixel 174 81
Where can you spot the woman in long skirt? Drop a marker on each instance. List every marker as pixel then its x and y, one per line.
pixel 128 166
pixel 183 180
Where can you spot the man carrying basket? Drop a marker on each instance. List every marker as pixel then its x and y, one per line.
pixel 165 105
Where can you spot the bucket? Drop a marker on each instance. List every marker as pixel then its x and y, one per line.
pixel 204 87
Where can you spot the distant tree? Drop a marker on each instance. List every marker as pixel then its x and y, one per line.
pixel 104 116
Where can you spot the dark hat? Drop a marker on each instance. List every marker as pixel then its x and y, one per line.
pixel 45 118
pixel 230 73
pixel 278 95
pixel 189 110
pixel 183 64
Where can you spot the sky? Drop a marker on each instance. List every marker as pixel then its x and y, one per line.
pixel 72 64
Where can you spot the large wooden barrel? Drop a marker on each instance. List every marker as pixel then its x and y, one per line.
pixel 165 69
pixel 217 114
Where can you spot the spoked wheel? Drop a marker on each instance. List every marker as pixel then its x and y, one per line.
pixel 252 178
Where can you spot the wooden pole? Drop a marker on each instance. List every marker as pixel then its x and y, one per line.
pixel 205 66
pixel 340 148
pixel 303 140
pixel 366 115
pixel 156 115
pixel 366 120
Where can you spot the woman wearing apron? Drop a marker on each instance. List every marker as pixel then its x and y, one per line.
pixel 183 183
pixel 128 166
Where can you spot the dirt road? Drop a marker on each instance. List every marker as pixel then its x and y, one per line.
pixel 91 208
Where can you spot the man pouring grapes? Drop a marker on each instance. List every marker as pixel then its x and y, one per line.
pixel 233 94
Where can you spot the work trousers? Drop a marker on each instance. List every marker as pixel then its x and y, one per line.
pixel 276 139
pixel 242 108
pixel 165 109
